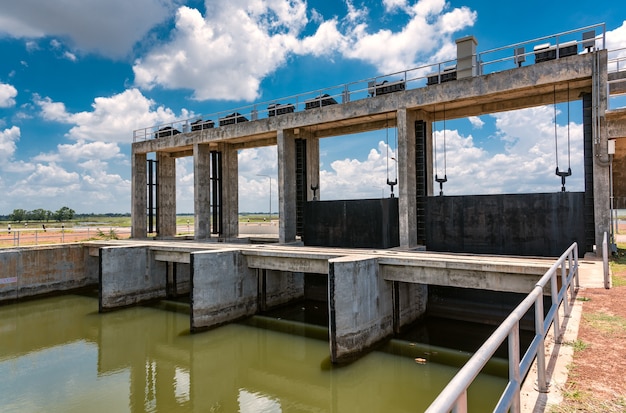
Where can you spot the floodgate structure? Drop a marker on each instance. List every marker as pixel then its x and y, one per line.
pixel 376 262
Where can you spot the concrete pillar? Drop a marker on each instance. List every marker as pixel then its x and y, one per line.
pixel 202 191
pixel 223 288
pixel 230 191
pixel 466 62
pixel 601 179
pixel 139 193
pixel 360 306
pixel 406 178
pixel 166 195
pixel 128 276
pixel 286 185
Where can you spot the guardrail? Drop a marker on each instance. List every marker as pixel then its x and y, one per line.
pixel 490 61
pixel 617 60
pixel 54 235
pixel 454 395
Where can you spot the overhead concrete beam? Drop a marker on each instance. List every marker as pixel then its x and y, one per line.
pixel 488 93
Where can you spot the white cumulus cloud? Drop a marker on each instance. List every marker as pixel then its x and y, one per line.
pixel 7 95
pixel 112 119
pixel 226 53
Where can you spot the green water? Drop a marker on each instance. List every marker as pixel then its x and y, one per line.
pixel 60 355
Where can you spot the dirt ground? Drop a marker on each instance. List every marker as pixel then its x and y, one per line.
pixel 597 374
pixel 58 236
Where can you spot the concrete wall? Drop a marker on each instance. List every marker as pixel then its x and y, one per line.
pixel 410 302
pixel 281 287
pixel 27 272
pixel 360 307
pixel 223 288
pixel 130 275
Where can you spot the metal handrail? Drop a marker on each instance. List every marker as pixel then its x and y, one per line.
pixel 454 395
pixel 614 63
pixel 414 77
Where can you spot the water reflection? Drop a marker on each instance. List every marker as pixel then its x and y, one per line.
pixel 59 355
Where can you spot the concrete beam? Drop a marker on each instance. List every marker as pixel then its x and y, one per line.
pixel 223 288
pixel 485 276
pixel 512 89
pixel 128 276
pixel 360 307
pixel 617 85
pixel 616 123
pixel 288 262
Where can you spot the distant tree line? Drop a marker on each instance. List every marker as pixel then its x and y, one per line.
pixel 40 214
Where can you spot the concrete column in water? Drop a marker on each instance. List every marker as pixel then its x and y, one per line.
pixel 230 191
pixel 601 180
pixel 223 288
pixel 202 191
pixel 139 191
pixel 286 185
pixel 128 276
pixel 406 178
pixel 360 306
pixel 166 195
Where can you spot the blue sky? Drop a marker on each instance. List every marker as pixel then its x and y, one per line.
pixel 77 77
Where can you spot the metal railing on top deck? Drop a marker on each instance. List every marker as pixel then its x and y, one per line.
pixel 490 61
pixel 454 395
pixel 617 60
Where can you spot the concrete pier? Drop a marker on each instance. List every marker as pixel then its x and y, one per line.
pixel 371 294
pixel 360 306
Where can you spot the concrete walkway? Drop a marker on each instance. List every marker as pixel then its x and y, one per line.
pixel 559 356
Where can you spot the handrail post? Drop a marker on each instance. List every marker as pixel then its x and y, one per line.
pixel 576 263
pixel 460 406
pixel 554 293
pixel 565 287
pixel 542 385
pixel 514 373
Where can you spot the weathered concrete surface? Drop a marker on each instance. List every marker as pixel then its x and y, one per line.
pixel 360 306
pixel 139 202
pixel 280 287
pixel 616 123
pixel 410 302
pixel 478 273
pixel 31 271
pixel 223 288
pixel 619 173
pixel 129 275
pixel 166 198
